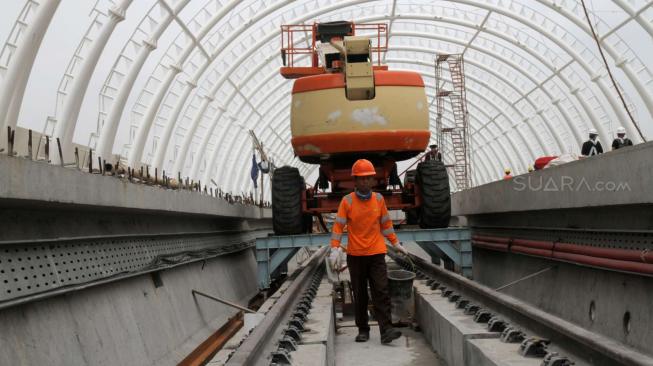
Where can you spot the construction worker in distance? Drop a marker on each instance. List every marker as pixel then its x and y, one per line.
pixel 621 140
pixel 507 174
pixel 366 217
pixel 592 146
pixel 433 154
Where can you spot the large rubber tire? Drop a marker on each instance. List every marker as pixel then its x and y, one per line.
pixel 287 217
pixel 409 177
pixel 308 223
pixel 412 215
pixel 433 181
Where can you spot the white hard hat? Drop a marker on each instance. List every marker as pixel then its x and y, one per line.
pixel 593 131
pixel 621 130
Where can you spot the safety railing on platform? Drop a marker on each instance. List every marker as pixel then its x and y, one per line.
pixel 294 35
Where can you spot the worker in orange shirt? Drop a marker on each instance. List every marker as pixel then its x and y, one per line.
pixel 368 221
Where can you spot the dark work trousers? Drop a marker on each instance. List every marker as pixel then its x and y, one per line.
pixel 370 268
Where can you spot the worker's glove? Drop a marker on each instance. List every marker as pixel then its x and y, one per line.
pixel 402 249
pixel 335 257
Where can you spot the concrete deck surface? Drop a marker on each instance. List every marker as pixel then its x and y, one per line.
pixel 410 349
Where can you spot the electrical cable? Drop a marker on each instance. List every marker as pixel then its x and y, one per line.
pixel 605 62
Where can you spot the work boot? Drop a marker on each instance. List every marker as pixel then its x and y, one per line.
pixel 390 335
pixel 363 336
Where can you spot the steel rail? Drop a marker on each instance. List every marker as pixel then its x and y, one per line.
pixel 572 336
pixel 214 343
pixel 256 347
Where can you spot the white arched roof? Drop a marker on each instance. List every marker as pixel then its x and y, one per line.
pixel 176 84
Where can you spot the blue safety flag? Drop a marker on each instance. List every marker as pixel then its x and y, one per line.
pixel 254 172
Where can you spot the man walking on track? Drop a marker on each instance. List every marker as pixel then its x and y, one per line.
pixel 366 217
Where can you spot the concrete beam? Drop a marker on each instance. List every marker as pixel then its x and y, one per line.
pixel 131 322
pixel 447 328
pixel 30 182
pixel 616 178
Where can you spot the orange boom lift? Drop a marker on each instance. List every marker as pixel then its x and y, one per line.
pixel 347 106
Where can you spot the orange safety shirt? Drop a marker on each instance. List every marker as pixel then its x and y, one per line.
pixel 367 222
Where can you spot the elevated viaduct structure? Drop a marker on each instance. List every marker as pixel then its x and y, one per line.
pixel 132 231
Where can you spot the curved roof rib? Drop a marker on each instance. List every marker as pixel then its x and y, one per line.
pixel 192 78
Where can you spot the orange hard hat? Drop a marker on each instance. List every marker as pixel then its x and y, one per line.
pixel 362 168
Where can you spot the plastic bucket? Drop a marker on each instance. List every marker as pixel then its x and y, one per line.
pixel 400 287
pixel 400 283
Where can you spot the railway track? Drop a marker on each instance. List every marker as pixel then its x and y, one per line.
pixel 275 337
pixel 539 334
pixel 518 320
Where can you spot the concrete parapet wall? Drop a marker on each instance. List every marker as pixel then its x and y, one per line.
pixel 571 292
pixel 28 182
pixel 461 341
pixel 616 179
pixel 131 322
pixel 576 212
pixel 446 328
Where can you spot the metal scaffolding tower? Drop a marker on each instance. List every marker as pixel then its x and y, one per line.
pixel 459 132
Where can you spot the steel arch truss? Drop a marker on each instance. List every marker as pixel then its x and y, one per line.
pixel 535 83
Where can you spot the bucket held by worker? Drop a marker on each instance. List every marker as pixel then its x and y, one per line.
pixel 400 283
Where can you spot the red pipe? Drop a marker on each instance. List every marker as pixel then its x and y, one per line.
pixel 534 243
pixel 531 251
pixel 644 256
pixel 499 247
pixel 606 263
pixel 493 239
pixel 628 260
